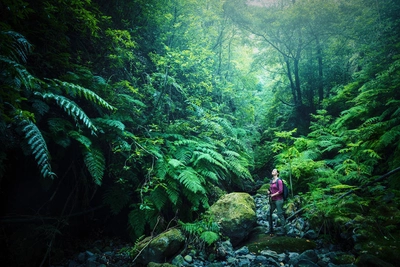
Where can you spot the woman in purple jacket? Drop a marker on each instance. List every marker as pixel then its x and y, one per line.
pixel 276 195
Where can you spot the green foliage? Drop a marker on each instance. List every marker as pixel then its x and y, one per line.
pixel 26 101
pixel 189 103
pixel 201 232
pixel 116 198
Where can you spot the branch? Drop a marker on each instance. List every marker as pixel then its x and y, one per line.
pixel 381 178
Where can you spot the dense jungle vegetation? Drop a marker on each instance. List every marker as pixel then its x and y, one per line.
pixel 129 117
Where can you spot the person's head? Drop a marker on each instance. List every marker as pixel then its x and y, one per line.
pixel 275 172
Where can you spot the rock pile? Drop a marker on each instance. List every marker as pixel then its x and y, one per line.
pixel 227 255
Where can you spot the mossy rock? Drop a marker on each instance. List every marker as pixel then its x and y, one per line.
pixel 344 259
pixel 235 213
pixel 367 260
pixel 159 248
pixel 280 244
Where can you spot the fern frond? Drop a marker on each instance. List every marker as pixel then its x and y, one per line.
pixel 116 198
pixel 217 158
pixel 186 142
pixel 74 89
pixel 191 180
pixel 159 197
pixel 173 192
pixel 137 221
pixel 372 120
pixel 95 163
pixel 210 174
pixel 110 123
pixel 162 168
pixel 24 78
pixel 175 163
pixel 209 237
pixel 17 47
pixel 200 156
pixel 183 154
pixel 38 146
pixel 127 99
pixel 390 136
pixel 59 125
pixel 238 167
pixel 83 140
pixel 71 108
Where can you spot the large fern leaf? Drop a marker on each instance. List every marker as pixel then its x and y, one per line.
pixel 137 221
pixel 38 147
pixel 116 198
pixel 71 108
pixel 159 197
pixel 23 77
pixel 173 192
pixel 95 163
pixel 16 46
pixel 83 140
pixel 111 123
pixel 74 89
pixel 191 180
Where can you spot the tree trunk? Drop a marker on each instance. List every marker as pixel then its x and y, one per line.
pixel 320 72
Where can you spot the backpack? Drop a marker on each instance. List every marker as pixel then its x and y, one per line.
pixel 285 189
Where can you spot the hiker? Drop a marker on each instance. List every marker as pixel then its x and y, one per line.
pixel 275 193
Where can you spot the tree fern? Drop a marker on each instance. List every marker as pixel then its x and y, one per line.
pixel 38 147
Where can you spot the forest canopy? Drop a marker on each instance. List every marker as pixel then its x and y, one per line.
pixel 150 110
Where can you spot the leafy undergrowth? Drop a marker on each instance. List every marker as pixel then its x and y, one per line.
pixel 383 247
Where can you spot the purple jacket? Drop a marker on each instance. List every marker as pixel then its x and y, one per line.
pixel 274 188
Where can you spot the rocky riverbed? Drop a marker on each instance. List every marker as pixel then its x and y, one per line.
pixel 300 247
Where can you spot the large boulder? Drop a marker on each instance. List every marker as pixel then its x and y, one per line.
pixel 236 215
pixel 160 248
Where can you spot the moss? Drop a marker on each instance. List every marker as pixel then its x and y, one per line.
pixel 345 259
pixel 234 208
pixel 279 244
pixel 386 248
